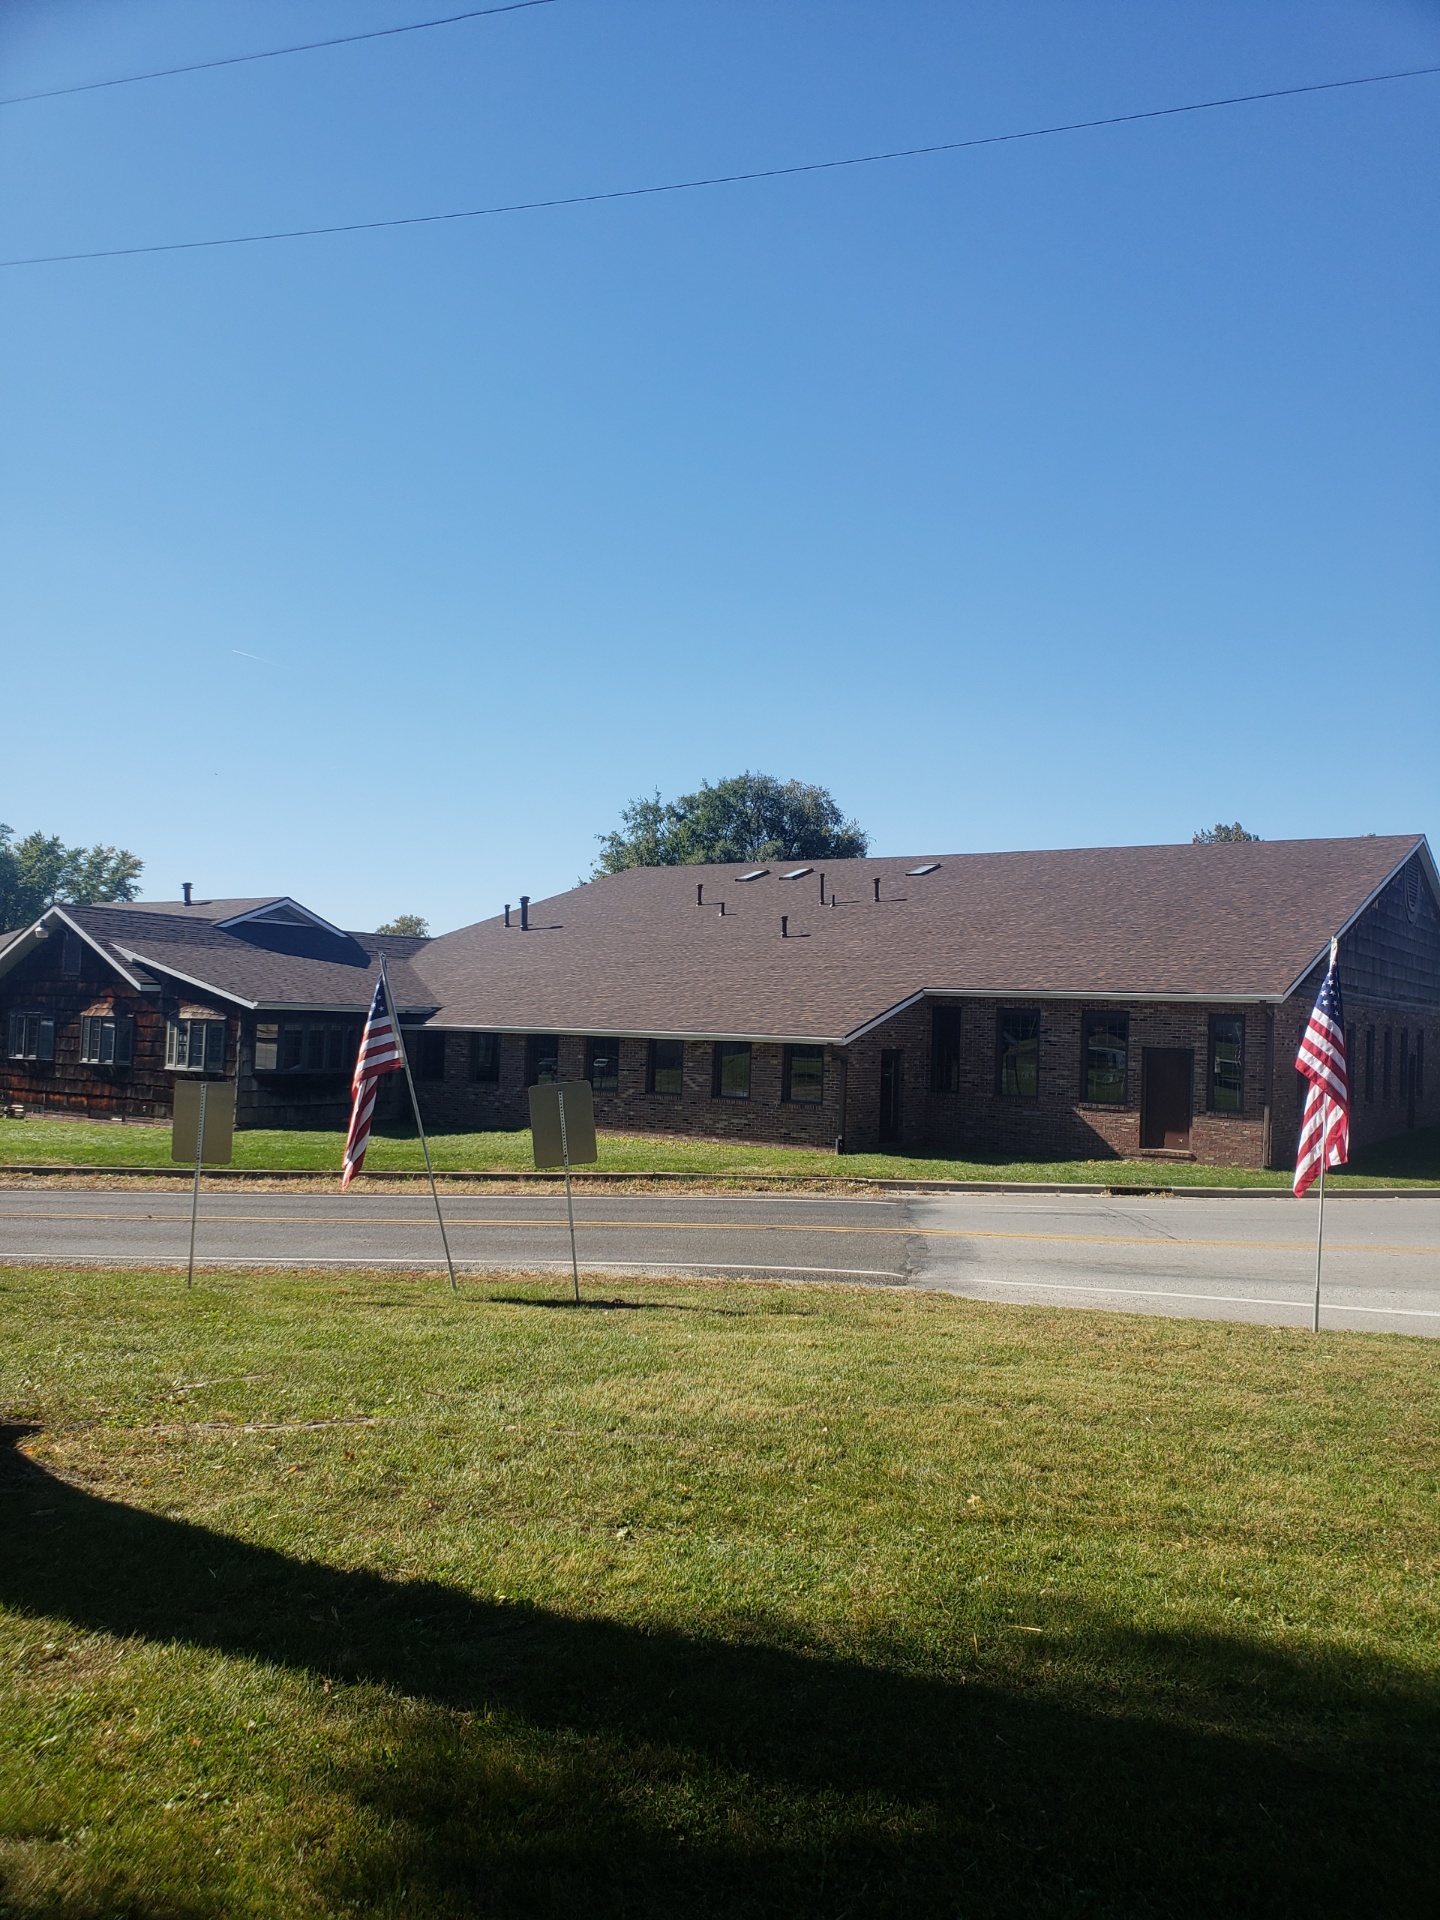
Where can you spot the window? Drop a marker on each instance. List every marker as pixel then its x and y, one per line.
pixel 1420 1064
pixel 1105 1056
pixel 945 1050
pixel 1386 1060
pixel 306 1046
pixel 667 1067
pixel 805 1075
pixel 195 1046
pixel 755 873
pixel 429 1054
pixel 31 1037
pixel 1017 1072
pixel 892 1093
pixel 542 1059
pixel 602 1065
pixel 732 1070
pixel 107 1041
pixel 919 873
pixel 1369 1063
pixel 1227 1063
pixel 485 1057
pixel 797 873
pixel 70 956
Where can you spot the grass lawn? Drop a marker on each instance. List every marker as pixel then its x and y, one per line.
pixel 339 1596
pixel 1412 1158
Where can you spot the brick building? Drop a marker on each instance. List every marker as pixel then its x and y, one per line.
pixel 1090 1002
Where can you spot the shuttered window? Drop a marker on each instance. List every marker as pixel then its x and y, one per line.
pixel 30 1036
pixel 106 1040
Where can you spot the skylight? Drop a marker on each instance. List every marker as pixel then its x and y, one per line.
pixel 799 873
pixel 756 873
pixel 918 873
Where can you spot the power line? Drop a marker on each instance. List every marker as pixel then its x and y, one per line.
pixel 274 53
pixel 724 179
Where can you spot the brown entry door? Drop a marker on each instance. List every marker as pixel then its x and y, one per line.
pixel 1165 1097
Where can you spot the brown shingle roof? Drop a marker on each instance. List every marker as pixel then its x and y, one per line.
pixel 260 963
pixel 633 953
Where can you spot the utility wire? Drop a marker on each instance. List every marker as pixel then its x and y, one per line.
pixel 274 53
pixel 724 179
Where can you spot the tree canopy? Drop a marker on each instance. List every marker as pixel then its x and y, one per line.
pixel 407 923
pixel 1220 834
pixel 751 816
pixel 40 870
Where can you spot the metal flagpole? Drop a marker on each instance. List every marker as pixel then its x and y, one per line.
pixel 569 1202
pixel 195 1190
pixel 1320 1222
pixel 415 1107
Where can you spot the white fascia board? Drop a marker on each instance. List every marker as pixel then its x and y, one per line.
pixel 187 979
pixel 598 1031
pixel 106 954
pixel 1427 861
pixel 358 1007
pixel 281 900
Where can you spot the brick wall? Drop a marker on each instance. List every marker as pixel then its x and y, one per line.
pixel 457 1103
pixel 1056 1122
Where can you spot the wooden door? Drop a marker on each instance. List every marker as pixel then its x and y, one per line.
pixel 1165 1097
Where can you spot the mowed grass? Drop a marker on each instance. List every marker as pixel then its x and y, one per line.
pixel 1410 1159
pixel 338 1595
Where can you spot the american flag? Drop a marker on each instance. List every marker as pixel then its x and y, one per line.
pixel 379 1054
pixel 1325 1129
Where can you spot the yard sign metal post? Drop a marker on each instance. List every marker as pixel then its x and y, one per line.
pixel 569 1202
pixel 195 1190
pixel 415 1108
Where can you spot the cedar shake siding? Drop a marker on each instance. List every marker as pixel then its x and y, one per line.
pixel 1096 1003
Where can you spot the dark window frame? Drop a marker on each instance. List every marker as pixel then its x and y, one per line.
pixel 429 1054
pixel 1420 1063
pixel 1387 1064
pixel 107 1040
pixel 18 1037
pixel 483 1060
pixel 214 1043
pixel 1369 1066
pixel 788 1094
pixel 1015 1014
pixel 720 1052
pixel 534 1043
pixel 946 1057
pixel 72 957
pixel 601 1046
pixel 1104 1017
pixel 654 1069
pixel 305 1047
pixel 1212 1063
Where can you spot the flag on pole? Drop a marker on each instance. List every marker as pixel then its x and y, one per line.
pixel 1325 1129
pixel 379 1054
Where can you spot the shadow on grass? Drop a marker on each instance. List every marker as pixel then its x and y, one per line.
pixel 523 1762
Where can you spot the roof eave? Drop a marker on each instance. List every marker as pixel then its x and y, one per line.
pixel 1427 860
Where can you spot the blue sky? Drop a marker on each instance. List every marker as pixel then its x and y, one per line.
pixel 1079 491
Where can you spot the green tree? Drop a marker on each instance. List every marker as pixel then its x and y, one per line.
pixel 407 923
pixel 749 817
pixel 1220 834
pixel 40 870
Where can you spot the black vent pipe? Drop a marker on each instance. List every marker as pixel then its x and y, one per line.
pixel 525 912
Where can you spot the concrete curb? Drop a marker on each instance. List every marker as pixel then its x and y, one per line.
pixel 868 1182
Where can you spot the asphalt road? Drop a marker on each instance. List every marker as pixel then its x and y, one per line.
pixel 1241 1259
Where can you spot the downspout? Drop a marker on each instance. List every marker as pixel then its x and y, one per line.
pixel 1267 1118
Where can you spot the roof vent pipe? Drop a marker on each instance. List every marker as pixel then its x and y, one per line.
pixel 524 913
pixel 822 889
pixel 722 909
pixel 699 893
pixel 877 886
pixel 185 886
pixel 784 926
pixel 507 913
